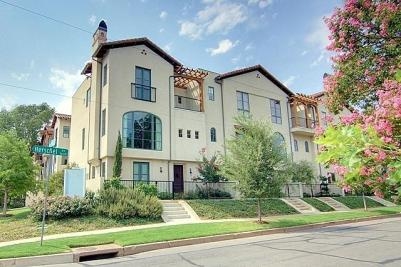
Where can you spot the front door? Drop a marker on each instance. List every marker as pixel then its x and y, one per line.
pixel 178 185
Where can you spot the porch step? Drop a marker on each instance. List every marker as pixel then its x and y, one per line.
pixel 383 201
pixel 333 203
pixel 177 211
pixel 300 205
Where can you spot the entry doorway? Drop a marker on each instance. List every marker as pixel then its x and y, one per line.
pixel 178 185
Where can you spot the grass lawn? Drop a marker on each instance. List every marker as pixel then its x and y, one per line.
pixel 175 232
pixel 229 208
pixel 317 204
pixel 20 225
pixel 357 202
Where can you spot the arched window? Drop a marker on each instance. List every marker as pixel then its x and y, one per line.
pixel 213 134
pixel 295 144
pixel 142 130
pixel 278 139
pixel 306 146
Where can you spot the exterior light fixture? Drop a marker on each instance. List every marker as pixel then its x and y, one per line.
pixel 161 169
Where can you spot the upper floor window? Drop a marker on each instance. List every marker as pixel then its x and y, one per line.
pixel 196 134
pixel 210 93
pixel 179 132
pixel 275 110
pixel 142 130
pixel 243 102
pixel 66 131
pixel 213 134
pixel 324 116
pixel 105 75
pixel 296 145
pixel 188 133
pixel 306 146
pixel 142 87
pixel 88 97
pixel 56 137
pixel 83 139
pixel 103 122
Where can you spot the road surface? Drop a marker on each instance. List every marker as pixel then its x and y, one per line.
pixel 374 243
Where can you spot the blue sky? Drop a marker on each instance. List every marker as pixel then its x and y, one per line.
pixel 287 37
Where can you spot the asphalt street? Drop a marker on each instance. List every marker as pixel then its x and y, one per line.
pixel 374 243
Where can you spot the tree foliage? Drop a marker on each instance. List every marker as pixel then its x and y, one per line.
pixel 26 120
pixel 118 157
pixel 255 160
pixel 209 169
pixel 301 171
pixel 366 39
pixel 17 169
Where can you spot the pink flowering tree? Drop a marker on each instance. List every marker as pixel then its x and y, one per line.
pixel 364 147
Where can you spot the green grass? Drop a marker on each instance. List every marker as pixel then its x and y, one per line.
pixel 357 202
pixel 229 208
pixel 168 233
pixel 319 205
pixel 20 225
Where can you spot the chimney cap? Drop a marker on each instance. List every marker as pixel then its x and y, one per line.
pixel 102 25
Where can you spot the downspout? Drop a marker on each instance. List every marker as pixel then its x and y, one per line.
pixel 169 121
pixel 222 115
pixel 289 129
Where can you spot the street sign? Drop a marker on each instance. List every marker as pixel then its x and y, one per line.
pixel 50 150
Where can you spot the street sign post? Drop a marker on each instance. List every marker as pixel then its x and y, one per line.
pixel 59 151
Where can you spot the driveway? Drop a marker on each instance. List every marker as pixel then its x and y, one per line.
pixel 374 243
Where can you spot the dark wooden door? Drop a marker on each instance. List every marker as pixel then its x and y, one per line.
pixel 178 179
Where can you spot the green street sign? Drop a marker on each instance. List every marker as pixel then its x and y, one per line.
pixel 50 150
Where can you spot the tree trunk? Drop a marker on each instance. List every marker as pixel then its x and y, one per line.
pixel 364 202
pixel 259 211
pixel 5 203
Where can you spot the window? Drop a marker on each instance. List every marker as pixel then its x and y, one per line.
pixel 196 135
pixel 88 97
pixel 210 93
pixel 275 110
pixel 296 145
pixel 103 170
pixel 56 138
pixel 179 132
pixel 66 131
pixel 242 102
pixel 324 116
pixel 64 160
pixel 143 89
pixel 142 130
pixel 179 100
pixel 213 134
pixel 188 133
pixel 278 139
pixel 83 139
pixel 93 172
pixel 104 75
pixel 103 122
pixel 306 146
pixel 141 171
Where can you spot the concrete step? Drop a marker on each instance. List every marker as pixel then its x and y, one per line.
pixel 182 212
pixel 177 211
pixel 300 205
pixel 178 216
pixel 333 203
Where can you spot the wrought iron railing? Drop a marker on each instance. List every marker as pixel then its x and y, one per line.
pixel 303 122
pixel 143 92
pixel 187 103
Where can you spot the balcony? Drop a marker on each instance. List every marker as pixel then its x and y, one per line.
pixel 187 103
pixel 143 92
pixel 303 126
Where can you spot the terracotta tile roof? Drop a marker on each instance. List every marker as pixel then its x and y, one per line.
pixel 262 70
pixel 318 94
pixel 102 49
pixel 59 116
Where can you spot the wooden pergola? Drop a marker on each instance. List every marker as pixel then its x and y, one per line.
pixel 306 101
pixel 185 76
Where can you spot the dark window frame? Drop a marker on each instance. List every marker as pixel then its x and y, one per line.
pixel 66 134
pixel 213 136
pixel 140 165
pixel 243 105
pixel 210 93
pixel 103 122
pixel 275 110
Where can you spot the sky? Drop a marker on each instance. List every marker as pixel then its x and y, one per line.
pixel 42 55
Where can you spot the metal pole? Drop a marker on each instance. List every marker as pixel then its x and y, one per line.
pixel 45 199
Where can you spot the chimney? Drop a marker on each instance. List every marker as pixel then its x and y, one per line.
pixel 100 35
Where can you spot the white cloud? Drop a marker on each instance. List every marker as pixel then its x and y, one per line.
pixel 290 80
pixel 161 30
pixel 236 59
pixel 92 20
pixel 319 36
pixel 68 83
pixel 248 58
pixel 249 47
pixel 7 101
pixel 167 47
pixel 223 47
pixel 163 15
pixel 20 76
pixel 304 52
pixel 260 3
pixel 319 59
pixel 218 16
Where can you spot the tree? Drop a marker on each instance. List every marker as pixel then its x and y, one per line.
pixel 209 170
pixel 17 169
pixel 26 120
pixel 366 39
pixel 301 171
pixel 118 157
pixel 255 160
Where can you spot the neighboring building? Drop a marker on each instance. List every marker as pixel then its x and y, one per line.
pixel 56 134
pixel 169 114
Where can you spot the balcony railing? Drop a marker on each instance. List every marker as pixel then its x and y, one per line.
pixel 303 122
pixel 143 92
pixel 187 103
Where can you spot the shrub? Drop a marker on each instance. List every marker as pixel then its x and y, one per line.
pixel 56 184
pixel 126 203
pixel 164 195
pixel 113 183
pixel 61 207
pixel 208 192
pixel 147 189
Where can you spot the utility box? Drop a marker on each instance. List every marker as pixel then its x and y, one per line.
pixel 74 182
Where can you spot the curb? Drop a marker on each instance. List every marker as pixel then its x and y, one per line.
pixel 135 249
